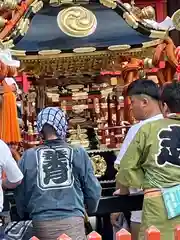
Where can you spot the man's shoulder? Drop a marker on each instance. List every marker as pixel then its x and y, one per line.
pixel 158 122
pixel 3 144
pixel 4 149
pixel 153 126
pixel 135 126
pixel 134 129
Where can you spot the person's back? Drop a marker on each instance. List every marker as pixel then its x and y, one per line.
pixel 154 167
pixel 10 176
pixel 159 144
pixel 59 182
pixel 144 96
pixel 161 160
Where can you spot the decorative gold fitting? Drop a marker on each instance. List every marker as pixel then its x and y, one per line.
pixel 30 129
pixel 142 74
pixel 54 3
pixel 6 44
pixel 12 4
pixel 99 165
pixel 148 63
pixel 131 21
pixel 2 22
pixel 109 3
pixel 128 6
pixel 57 3
pixel 148 13
pixel 23 26
pixel 36 6
pixel 77 21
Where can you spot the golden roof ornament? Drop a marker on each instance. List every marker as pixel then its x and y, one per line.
pixel 77 21
pixel 145 13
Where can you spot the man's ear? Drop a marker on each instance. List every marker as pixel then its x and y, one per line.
pixel 164 109
pixel 145 101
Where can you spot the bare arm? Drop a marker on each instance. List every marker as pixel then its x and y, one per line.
pixel 121 189
pixel 8 185
pixel 10 167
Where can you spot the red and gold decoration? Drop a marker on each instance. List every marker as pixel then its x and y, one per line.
pixel 9 126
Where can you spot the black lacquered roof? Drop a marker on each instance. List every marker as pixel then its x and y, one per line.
pixel 44 33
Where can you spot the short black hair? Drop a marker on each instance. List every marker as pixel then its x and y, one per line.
pixel 144 87
pixel 171 96
pixel 48 130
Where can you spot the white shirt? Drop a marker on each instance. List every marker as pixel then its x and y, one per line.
pixel 136 215
pixel 10 81
pixel 10 167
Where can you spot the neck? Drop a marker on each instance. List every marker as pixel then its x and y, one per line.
pixel 154 110
pixel 153 114
pixel 51 138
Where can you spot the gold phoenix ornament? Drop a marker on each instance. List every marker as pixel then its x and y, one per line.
pixel 77 21
pixel 99 165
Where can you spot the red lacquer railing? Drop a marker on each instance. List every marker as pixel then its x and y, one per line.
pixel 151 234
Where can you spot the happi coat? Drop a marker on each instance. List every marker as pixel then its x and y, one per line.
pixel 152 160
pixel 58 182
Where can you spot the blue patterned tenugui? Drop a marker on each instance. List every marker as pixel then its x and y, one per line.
pixel 55 117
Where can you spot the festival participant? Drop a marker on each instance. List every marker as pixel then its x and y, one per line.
pixel 151 162
pixel 15 89
pixel 9 167
pixel 59 182
pixel 145 109
pixel 9 129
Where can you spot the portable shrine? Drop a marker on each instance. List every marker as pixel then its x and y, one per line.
pixel 81 55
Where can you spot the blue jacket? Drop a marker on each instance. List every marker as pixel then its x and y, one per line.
pixel 58 182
